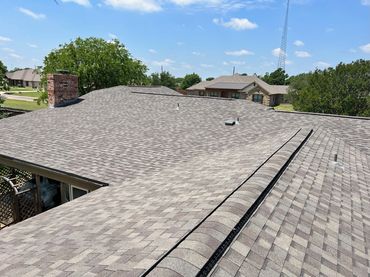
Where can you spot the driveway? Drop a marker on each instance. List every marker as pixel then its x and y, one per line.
pixel 17 97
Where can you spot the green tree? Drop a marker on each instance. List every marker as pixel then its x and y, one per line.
pixel 97 63
pixel 3 70
pixel 277 77
pixel 210 79
pixel 3 82
pixel 189 80
pixel 163 79
pixel 342 90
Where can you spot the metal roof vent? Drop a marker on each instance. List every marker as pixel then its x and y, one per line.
pixel 178 107
pixel 232 122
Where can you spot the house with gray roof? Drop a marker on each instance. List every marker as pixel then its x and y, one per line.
pixel 163 187
pixel 241 87
pixel 27 77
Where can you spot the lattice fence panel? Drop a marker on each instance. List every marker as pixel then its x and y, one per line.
pixel 7 200
pixel 15 206
pixel 27 204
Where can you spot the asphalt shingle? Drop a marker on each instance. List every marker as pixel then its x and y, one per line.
pixel 169 168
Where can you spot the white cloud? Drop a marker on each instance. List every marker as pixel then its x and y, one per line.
pixel 288 62
pixel 276 52
pixel 6 49
pixel 179 43
pixel 242 52
pixel 15 56
pixel 238 24
pixel 302 54
pixel 32 45
pixel 223 5
pixel 365 2
pixel 233 63
pixel 165 62
pixel 329 30
pixel 206 65
pixel 195 53
pixel 112 36
pixel 85 3
pixel 153 51
pixel 299 43
pixel 365 48
pixel 135 5
pixel 321 65
pixel 4 39
pixel 32 14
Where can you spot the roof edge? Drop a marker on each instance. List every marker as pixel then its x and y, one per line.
pixel 327 114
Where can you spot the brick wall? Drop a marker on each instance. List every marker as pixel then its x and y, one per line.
pixel 62 89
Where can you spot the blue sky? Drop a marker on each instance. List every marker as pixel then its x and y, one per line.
pixel 208 37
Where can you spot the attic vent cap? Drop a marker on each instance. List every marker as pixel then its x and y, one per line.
pixel 230 122
pixel 178 106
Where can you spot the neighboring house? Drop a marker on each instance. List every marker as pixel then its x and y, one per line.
pixel 241 87
pixel 24 78
pixel 179 193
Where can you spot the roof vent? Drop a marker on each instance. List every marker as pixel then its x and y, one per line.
pixel 178 106
pixel 230 122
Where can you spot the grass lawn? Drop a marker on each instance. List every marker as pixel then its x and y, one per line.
pixel 33 93
pixel 284 107
pixel 15 89
pixel 23 105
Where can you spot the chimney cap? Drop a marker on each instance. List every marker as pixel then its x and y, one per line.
pixel 63 71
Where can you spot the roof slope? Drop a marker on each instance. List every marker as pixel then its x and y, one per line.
pixel 314 222
pixel 239 82
pixel 224 79
pixel 168 169
pixel 28 75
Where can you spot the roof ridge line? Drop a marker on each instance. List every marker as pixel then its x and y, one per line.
pixel 184 96
pixel 221 250
pixel 148 271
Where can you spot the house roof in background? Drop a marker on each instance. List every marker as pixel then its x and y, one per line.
pixel 179 182
pixel 239 82
pixel 226 85
pixel 28 75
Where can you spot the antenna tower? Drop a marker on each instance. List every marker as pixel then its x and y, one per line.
pixel 282 55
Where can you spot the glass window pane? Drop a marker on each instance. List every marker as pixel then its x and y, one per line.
pixel 78 192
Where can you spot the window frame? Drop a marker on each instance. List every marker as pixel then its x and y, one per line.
pixel 71 196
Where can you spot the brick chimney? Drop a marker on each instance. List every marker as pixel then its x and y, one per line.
pixel 62 89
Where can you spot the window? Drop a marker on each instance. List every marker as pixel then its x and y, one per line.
pixel 213 94
pixel 201 93
pixel 257 98
pixel 77 192
pixel 235 95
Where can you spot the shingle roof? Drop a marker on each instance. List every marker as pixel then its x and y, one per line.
pixel 24 74
pixel 179 180
pixel 227 85
pixel 239 82
pixel 314 222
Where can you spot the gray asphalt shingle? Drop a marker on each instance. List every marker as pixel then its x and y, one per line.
pixel 169 168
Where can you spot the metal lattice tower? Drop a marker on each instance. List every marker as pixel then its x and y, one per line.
pixel 282 55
